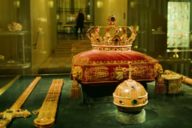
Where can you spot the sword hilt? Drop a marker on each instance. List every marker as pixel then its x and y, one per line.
pixel 7 116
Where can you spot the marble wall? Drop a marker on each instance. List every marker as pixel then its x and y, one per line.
pixel 43 28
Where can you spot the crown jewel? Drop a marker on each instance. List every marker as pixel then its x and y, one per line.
pixel 112 37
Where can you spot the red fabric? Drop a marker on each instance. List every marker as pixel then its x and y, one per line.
pixel 103 56
pixel 111 66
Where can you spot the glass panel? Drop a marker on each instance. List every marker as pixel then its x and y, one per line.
pixel 178 32
pixel 15 50
pixel 67 11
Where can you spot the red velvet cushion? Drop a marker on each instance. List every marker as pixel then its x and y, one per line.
pixel 108 66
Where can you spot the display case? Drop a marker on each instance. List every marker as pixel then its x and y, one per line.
pixel 15 52
pixel 15 37
pixel 67 11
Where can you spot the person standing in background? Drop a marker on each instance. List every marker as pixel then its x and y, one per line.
pixel 79 23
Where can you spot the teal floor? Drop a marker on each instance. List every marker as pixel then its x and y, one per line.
pixel 161 112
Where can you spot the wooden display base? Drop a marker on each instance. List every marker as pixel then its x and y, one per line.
pixel 131 118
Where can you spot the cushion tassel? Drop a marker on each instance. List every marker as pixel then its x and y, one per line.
pixel 75 90
pixel 160 87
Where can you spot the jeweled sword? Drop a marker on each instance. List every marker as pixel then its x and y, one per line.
pixel 15 110
pixel 47 112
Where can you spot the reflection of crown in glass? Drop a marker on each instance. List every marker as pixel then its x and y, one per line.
pixel 112 37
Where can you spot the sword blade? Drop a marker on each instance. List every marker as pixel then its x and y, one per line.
pixel 19 102
pixel 5 87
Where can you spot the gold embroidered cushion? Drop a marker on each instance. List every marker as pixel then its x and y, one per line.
pixel 97 66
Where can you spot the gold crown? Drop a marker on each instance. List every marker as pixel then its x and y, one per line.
pixel 112 37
